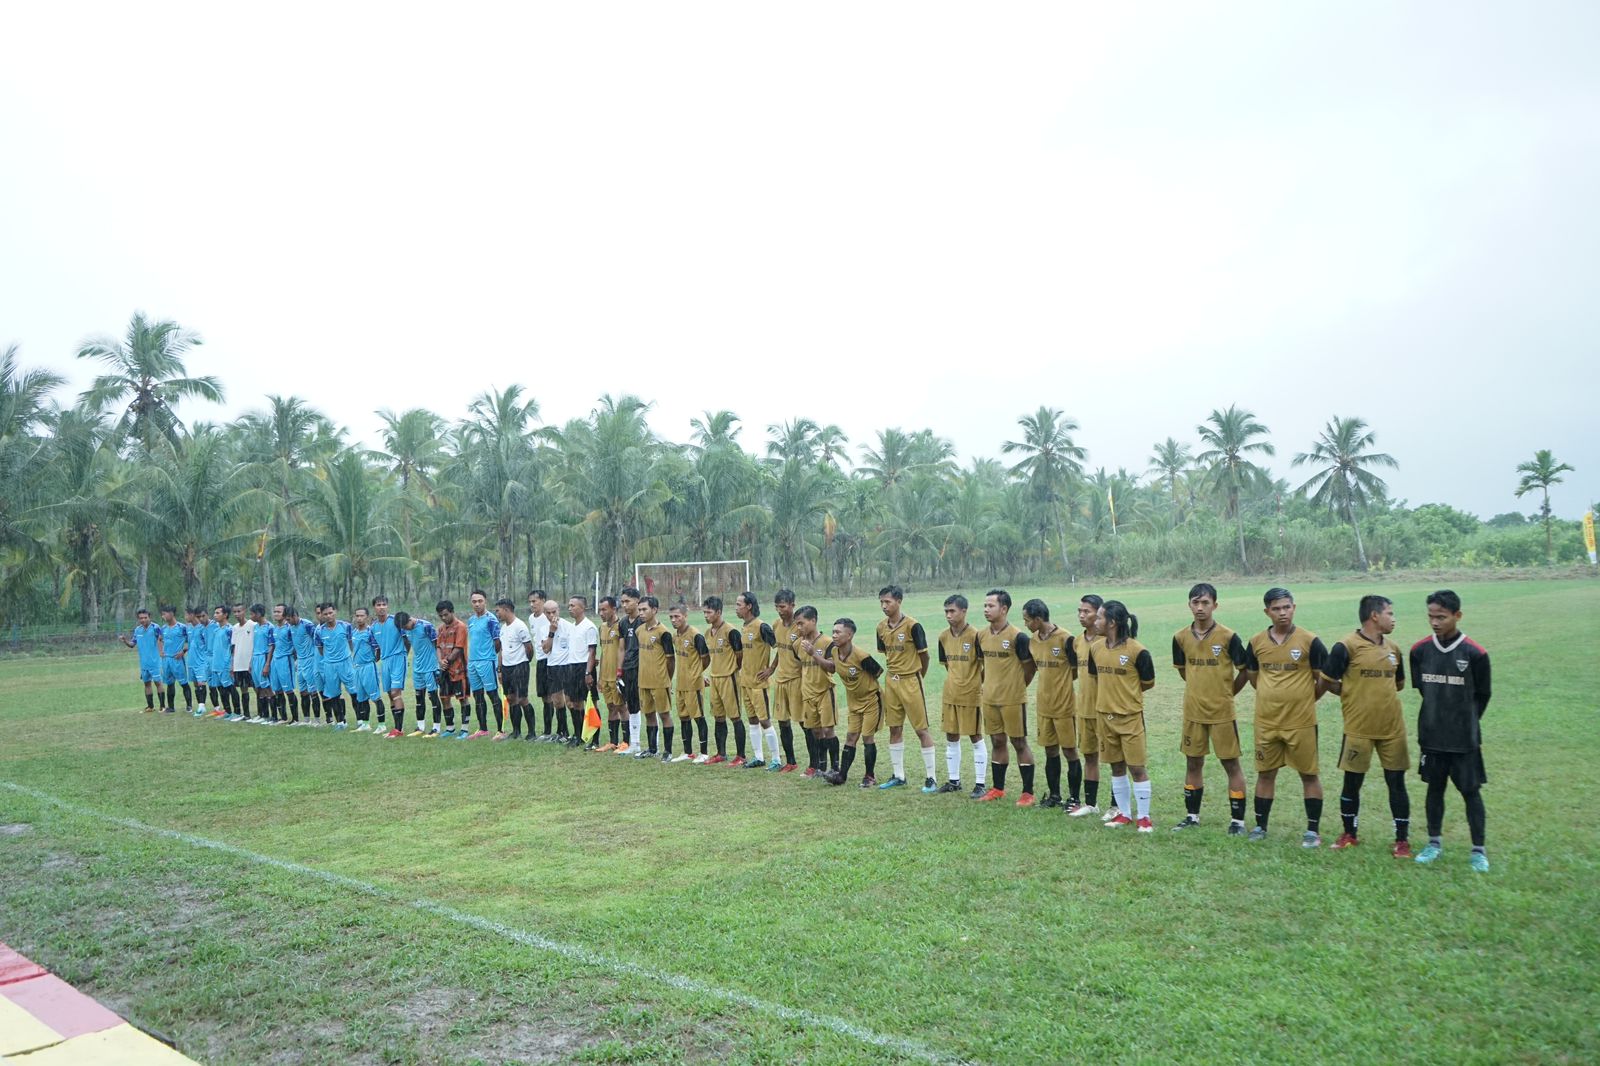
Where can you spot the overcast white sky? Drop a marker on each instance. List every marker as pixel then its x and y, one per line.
pixel 870 214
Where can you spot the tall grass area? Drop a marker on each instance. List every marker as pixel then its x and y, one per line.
pixel 957 931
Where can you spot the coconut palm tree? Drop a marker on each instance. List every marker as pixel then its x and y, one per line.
pixel 1342 481
pixel 281 444
pixel 200 508
pixel 25 454
pixel 414 453
pixel 1051 465
pixel 1168 462
pixel 348 525
pixel 609 468
pixel 1230 437
pixel 1540 473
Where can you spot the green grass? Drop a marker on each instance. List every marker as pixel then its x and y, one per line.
pixel 979 932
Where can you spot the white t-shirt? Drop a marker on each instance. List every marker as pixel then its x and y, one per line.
pixel 584 636
pixel 244 643
pixel 513 636
pixel 558 647
pixel 540 626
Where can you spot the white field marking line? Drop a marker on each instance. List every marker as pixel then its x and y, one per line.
pixel 902 1045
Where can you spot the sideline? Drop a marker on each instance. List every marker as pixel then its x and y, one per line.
pixel 902 1045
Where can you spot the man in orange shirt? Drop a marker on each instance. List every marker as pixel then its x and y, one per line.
pixel 452 647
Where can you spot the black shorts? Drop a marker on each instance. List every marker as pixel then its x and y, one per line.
pixel 575 681
pixel 541 679
pixel 452 687
pixel 1465 768
pixel 514 679
pixel 630 690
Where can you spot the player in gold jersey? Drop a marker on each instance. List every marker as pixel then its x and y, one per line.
pixel 1367 673
pixel 959 655
pixel 904 645
pixel 1210 658
pixel 656 663
pixel 1088 722
pixel 689 648
pixel 1007 669
pixel 818 710
pixel 726 648
pixel 786 681
pixel 607 669
pixel 860 673
pixel 1055 656
pixel 1123 672
pixel 1285 664
pixel 755 668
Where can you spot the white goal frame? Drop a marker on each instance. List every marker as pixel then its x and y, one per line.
pixel 639 570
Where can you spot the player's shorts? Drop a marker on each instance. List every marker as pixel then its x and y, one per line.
pixel 309 674
pixel 1202 737
pixel 628 684
pixel 786 701
pixel 366 675
pixel 866 718
pixel 1088 735
pixel 480 675
pixel 610 695
pixel 1465 768
pixel 1355 753
pixel 394 673
pixel 1122 739
pixel 687 700
pixel 575 681
pixel 193 670
pixel 541 678
pixel 757 703
pixel 222 678
pixel 724 697
pixel 515 679
pixel 655 700
pixel 150 671
pixel 452 688
pixel 819 712
pixel 1058 732
pixel 1010 719
pixel 1295 748
pixel 424 680
pixel 281 674
pixel 258 671
pixel 904 702
pixel 173 672
pixel 335 675
pixel 960 720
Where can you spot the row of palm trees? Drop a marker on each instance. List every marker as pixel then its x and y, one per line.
pixel 100 495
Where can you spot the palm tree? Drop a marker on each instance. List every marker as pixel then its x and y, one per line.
pixel 1230 437
pixel 610 470
pixel 281 443
pixel 1052 464
pixel 25 455
pixel 1342 481
pixel 1168 461
pixel 498 458
pixel 347 513
pixel 199 508
pixel 414 454
pixel 1540 473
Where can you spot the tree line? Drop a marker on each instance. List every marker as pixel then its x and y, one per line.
pixel 111 495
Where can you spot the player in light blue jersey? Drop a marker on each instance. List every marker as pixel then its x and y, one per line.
pixel 364 661
pixel 146 638
pixel 392 671
pixel 307 670
pixel 174 646
pixel 422 639
pixel 280 672
pixel 483 659
pixel 220 667
pixel 197 664
pixel 334 642
pixel 261 656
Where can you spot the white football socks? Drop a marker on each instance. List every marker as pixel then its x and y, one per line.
pixel 1141 795
pixel 773 751
pixel 897 759
pixel 952 760
pixel 980 761
pixel 755 743
pixel 1119 795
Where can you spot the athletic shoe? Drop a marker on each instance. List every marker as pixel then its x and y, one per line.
pixel 1236 829
pixel 1429 853
pixel 788 768
pixel 1311 839
pixel 1189 822
pixel 418 732
pixel 1052 800
pixel 341 727
pixel 394 734
pixel 703 759
pixel 363 728
pixel 683 757
pixel 757 764
pixel 201 713
pixel 736 761
pixel 501 736
pixel 170 710
pixel 1071 806
pixel 1258 833
pixel 575 742
pixel 869 782
pixel 606 748
pixel 1144 826
pixel 640 753
pixel 1480 862
pixel 219 713
pixel 1346 840
pixel 1117 821
pixel 928 787
pixel 1402 849
pixel 432 734
pixel 666 756
pixel 713 760
pixel 893 782
pixel 811 771
pixel 621 749
pixel 832 777
pixel 979 791
pixel 951 786
pixel 1025 800
pixel 991 795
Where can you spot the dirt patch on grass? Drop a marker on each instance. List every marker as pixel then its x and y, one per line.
pixel 15 829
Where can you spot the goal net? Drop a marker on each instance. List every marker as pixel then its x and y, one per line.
pixel 691 583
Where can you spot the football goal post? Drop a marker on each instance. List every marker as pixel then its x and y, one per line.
pixel 691 583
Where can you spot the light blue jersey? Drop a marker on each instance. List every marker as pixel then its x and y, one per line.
pixel 174 642
pixel 281 672
pixel 482 658
pixel 221 655
pixel 262 643
pixel 333 646
pixel 308 665
pixel 424 656
pixel 145 639
pixel 392 650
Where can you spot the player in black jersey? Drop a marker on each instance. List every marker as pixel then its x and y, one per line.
pixel 1452 673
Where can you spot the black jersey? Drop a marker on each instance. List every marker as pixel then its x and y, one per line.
pixel 628 633
pixel 1454 681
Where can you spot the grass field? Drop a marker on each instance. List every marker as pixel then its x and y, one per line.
pixel 474 902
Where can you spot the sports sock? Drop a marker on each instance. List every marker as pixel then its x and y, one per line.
pixel 433 698
pixel 871 759
pixel 149 701
pixel 1052 774
pixel 1433 806
pixel 722 738
pixel 635 727
pixel 615 728
pixel 1399 802
pixel 700 727
pixel 811 749
pixel 294 706
pixel 738 737
pixel 1119 794
pixel 1350 801
pixel 1313 814
pixel 576 714
pixel 361 710
pixel 499 714
pixel 897 758
pixel 927 761
pixel 1141 797
pixel 771 733
pixel 1236 806
pixel 549 719
pixel 980 761
pixel 1091 791
pixel 849 758
pixel 1074 779
pixel 1263 811
pixel 1000 775
pixel 1027 778
pixel 172 691
pixel 654 731
pixel 756 735
pixel 666 740
pixel 688 735
pixel 788 743
pixel 400 719
pixel 1477 817
pixel 952 761
pixel 833 753
pixel 188 697
pixel 1191 799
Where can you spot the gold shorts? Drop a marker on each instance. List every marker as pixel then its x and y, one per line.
pixel 959 721
pixel 1010 719
pixel 655 701
pixel 689 704
pixel 724 698
pixel 612 695
pixel 819 712
pixel 755 703
pixel 904 701
pixel 1122 739
pixel 865 719
pixel 1355 753
pixel 1202 737
pixel 1058 732
pixel 1088 735
pixel 1296 748
pixel 786 701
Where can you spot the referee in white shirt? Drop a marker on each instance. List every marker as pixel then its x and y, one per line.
pixel 539 625
pixel 516 644
pixel 558 635
pixel 582 645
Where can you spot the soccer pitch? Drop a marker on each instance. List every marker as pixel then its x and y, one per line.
pixel 402 902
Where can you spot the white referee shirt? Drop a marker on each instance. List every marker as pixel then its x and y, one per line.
pixel 540 626
pixel 244 643
pixel 560 647
pixel 584 636
pixel 514 636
